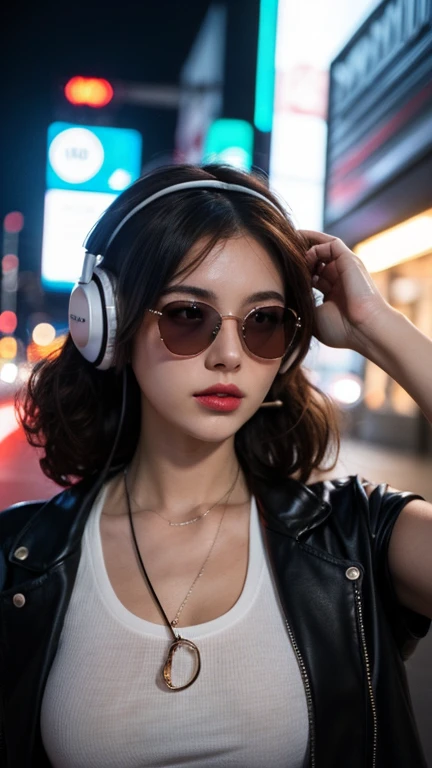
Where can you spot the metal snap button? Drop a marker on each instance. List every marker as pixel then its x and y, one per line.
pixel 352 573
pixel 21 553
pixel 18 600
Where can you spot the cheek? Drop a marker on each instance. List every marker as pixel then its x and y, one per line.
pixel 263 377
pixel 161 378
pixel 147 349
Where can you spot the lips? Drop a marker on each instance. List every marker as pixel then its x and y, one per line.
pixel 223 398
pixel 227 390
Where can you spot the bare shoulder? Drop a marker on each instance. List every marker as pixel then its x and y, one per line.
pixel 410 562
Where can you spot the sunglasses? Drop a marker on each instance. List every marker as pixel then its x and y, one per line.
pixel 189 327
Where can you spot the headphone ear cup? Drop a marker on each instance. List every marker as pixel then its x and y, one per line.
pixel 93 319
pixel 288 363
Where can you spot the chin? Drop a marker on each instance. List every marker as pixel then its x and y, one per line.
pixel 208 427
pixel 211 433
pixel 217 429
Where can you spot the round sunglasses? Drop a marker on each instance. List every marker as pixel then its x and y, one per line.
pixel 189 327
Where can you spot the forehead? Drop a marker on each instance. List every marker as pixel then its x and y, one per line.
pixel 239 262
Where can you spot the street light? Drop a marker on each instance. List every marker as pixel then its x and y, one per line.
pixel 90 91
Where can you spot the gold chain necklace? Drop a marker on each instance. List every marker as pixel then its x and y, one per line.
pixel 179 641
pixel 195 519
pixel 175 620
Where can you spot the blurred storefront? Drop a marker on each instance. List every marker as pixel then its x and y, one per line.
pixel 378 190
pixel 388 413
pixel 304 52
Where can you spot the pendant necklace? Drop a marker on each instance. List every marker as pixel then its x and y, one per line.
pixel 178 641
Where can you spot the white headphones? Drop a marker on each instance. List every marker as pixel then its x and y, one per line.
pixel 92 303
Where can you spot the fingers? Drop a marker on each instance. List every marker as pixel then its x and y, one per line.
pixel 313 236
pixel 321 284
pixel 323 245
pixel 323 252
pixel 318 259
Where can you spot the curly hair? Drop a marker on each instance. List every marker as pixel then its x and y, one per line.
pixel 71 409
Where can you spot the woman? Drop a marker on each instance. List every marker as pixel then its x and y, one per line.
pixel 189 599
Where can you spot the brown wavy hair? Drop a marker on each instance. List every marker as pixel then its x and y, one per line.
pixel 71 410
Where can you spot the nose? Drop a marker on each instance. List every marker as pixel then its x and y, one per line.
pixel 227 351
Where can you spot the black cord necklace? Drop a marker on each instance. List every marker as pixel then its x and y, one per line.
pixel 178 641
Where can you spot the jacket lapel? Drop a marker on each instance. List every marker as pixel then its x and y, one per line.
pixel 292 508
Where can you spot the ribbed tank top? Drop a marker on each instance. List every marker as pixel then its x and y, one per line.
pixel 105 705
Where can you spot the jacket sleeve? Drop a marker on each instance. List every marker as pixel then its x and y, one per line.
pixel 408 627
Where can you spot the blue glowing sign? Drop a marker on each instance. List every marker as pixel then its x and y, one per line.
pixel 87 167
pixel 92 158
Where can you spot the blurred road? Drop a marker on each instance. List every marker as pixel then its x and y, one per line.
pixel 381 465
pixel 21 479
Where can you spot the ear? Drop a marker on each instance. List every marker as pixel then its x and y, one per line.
pixel 288 363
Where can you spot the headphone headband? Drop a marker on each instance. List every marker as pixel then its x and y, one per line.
pixel 203 184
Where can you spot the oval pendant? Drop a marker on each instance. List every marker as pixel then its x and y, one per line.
pixel 168 664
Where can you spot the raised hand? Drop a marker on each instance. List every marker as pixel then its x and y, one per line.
pixel 352 303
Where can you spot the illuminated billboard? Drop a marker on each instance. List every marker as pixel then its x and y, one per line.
pixel 380 122
pixel 87 167
pixel 304 52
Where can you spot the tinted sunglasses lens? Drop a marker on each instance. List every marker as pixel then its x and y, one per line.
pixel 188 328
pixel 268 331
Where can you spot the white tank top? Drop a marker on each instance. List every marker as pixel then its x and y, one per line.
pixel 105 706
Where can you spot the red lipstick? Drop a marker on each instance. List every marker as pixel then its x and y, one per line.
pixel 220 397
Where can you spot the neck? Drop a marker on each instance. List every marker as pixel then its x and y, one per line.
pixel 176 477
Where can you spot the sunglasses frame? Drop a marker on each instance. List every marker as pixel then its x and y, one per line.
pixel 240 321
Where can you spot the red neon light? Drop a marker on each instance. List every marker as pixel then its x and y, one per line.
pixel 10 262
pixel 13 222
pixel 8 321
pixel 93 91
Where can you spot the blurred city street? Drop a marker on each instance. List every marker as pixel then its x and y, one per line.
pixel 402 470
pixel 21 478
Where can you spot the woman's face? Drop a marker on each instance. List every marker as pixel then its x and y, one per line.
pixel 228 279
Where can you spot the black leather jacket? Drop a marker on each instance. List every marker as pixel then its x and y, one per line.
pixel 327 544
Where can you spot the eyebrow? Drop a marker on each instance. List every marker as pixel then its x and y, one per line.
pixel 203 293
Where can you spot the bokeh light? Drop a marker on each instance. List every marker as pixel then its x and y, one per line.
pixel 8 347
pixel 9 263
pixel 13 222
pixel 9 373
pixel 93 91
pixel 37 352
pixel 347 389
pixel 43 334
pixel 8 321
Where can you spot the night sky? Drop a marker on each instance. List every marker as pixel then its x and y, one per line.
pixel 45 43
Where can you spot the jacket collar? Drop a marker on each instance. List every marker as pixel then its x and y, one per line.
pixel 55 530
pixel 290 507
